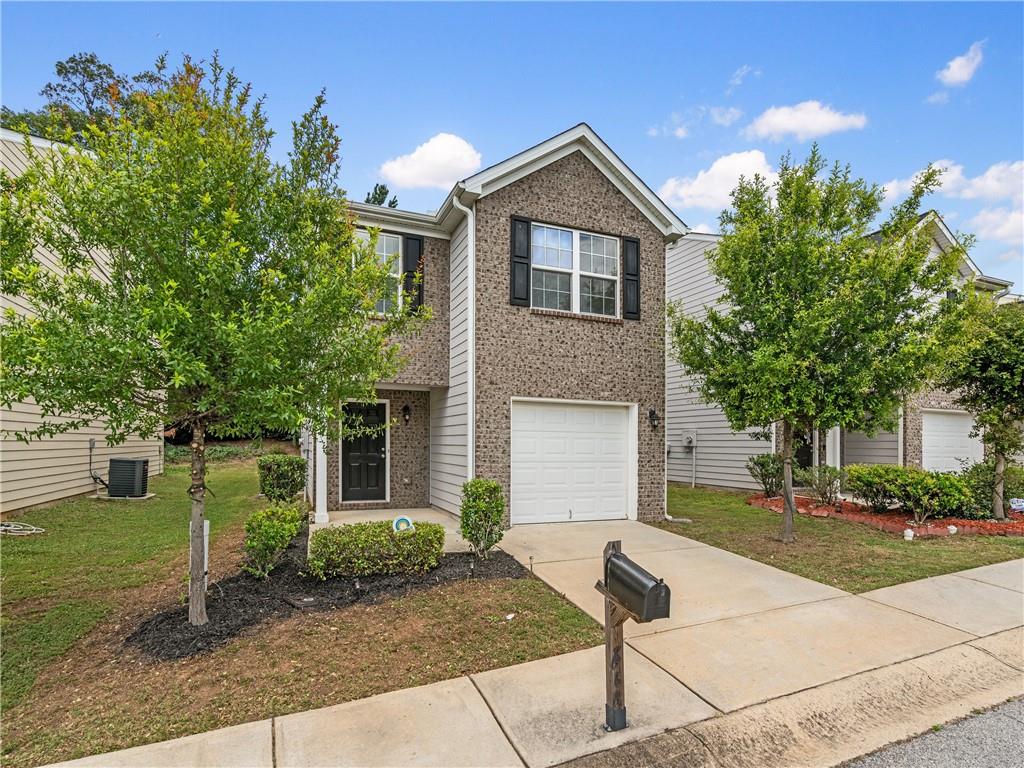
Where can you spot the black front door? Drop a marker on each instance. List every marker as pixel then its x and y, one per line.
pixel 363 456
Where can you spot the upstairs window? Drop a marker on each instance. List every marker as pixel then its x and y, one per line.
pixel 574 271
pixel 389 247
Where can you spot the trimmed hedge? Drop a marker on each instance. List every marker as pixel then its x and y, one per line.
pixel 367 549
pixel 919 492
pixel 281 476
pixel 483 514
pixel 267 535
pixel 766 468
pixel 825 483
pixel 874 484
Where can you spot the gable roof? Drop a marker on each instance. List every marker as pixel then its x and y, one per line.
pixel 580 138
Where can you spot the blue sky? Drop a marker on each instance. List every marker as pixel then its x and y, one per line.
pixel 689 95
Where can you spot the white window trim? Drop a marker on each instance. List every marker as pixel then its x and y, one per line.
pixel 577 272
pixel 396 268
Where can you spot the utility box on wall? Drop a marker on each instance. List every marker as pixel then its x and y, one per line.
pixel 128 478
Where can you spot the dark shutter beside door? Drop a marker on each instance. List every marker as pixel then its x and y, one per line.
pixel 519 274
pixel 630 278
pixel 412 263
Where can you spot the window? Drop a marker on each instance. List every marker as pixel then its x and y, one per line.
pixel 574 271
pixel 388 247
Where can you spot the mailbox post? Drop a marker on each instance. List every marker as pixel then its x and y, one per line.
pixel 630 592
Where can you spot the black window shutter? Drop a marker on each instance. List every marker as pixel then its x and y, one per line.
pixel 630 278
pixel 519 275
pixel 412 262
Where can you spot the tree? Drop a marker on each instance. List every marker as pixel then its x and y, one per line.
pixel 823 325
pixel 988 377
pixel 379 195
pixel 200 283
pixel 83 93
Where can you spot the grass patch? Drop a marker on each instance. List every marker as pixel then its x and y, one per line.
pixel 57 585
pixel 79 690
pixel 850 556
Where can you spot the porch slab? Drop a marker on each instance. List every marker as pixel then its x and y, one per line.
pixel 553 542
pixel 966 604
pixel 1009 574
pixel 445 724
pixel 453 541
pixel 245 746
pixel 707 584
pixel 743 661
pixel 553 709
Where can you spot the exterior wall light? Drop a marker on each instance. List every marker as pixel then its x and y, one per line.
pixel 406 413
pixel 654 418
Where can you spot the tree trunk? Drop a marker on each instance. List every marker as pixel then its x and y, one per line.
pixel 788 500
pixel 197 492
pixel 997 488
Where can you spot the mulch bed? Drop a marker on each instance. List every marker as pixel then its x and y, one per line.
pixel 241 601
pixel 895 521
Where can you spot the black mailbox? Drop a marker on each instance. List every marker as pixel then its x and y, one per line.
pixel 636 590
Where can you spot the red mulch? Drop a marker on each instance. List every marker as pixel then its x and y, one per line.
pixel 895 521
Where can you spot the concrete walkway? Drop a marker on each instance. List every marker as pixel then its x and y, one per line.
pixel 755 667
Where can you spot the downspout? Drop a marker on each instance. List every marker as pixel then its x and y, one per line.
pixel 470 333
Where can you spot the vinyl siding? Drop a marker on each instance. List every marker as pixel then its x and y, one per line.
pixel 52 468
pixel 858 448
pixel 721 452
pixel 449 408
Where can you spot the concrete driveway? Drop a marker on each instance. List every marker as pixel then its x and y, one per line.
pixel 741 632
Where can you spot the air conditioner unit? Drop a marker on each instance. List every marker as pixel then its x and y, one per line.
pixel 128 478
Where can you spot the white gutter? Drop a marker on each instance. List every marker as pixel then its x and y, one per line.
pixel 470 331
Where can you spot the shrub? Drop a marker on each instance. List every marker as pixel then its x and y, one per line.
pixel 874 484
pixel 281 476
pixel 366 549
pixel 483 514
pixel 267 534
pixel 825 483
pixel 981 478
pixel 932 494
pixel 767 470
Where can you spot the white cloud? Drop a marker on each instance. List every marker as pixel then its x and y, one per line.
pixel 653 131
pixel 703 227
pixel 939 97
pixel 740 75
pixel 675 126
pixel 1001 181
pixel 1011 255
pixel 1003 224
pixel 710 188
pixel 806 120
pixel 439 162
pixel 725 115
pixel 680 132
pixel 961 69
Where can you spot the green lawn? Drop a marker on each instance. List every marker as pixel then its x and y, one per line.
pixel 850 556
pixel 59 584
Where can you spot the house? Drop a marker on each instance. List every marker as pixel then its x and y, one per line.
pixel 58 467
pixel 703 449
pixel 543 366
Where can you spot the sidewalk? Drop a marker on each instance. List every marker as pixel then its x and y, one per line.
pixel 755 667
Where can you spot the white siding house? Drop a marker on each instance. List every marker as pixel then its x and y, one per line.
pixel 58 467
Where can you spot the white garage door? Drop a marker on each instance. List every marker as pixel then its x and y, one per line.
pixel 569 462
pixel 946 440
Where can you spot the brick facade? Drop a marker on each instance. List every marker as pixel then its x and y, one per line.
pixel 409 456
pixel 426 351
pixel 528 353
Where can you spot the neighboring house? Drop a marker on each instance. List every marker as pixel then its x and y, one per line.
pixel 703 449
pixel 56 467
pixel 543 366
